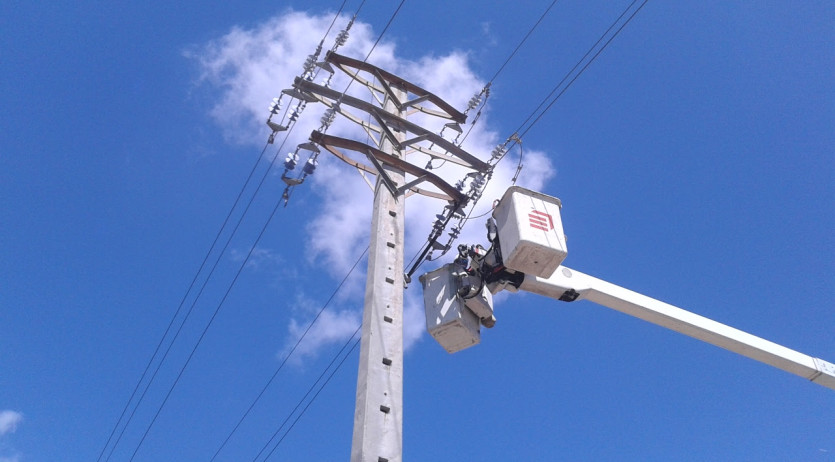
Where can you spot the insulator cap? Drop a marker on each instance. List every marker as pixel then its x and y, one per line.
pixel 310 166
pixel 474 101
pixel 328 117
pixel 296 112
pixel 342 38
pixel 291 160
pixel 275 106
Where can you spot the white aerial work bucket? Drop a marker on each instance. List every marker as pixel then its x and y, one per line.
pixel 448 320
pixel 530 232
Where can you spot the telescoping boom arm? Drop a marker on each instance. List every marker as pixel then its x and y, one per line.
pixel 568 283
pixel 526 253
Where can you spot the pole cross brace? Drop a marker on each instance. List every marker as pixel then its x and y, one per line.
pixel 384 177
pixel 333 144
pixel 411 184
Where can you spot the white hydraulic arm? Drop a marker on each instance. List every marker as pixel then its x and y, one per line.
pixel 527 251
pixel 568 284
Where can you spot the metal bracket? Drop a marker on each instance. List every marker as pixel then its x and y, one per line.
pixel 569 295
pixel 414 140
pixel 411 184
pixel 276 127
pixel 386 132
pixel 295 93
pixel 388 89
pixel 384 177
pixel 413 102
pixel 825 374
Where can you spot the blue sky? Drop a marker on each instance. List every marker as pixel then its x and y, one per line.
pixel 694 159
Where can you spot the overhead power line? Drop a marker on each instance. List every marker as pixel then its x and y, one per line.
pixel 310 390
pixel 173 319
pixel 188 292
pixel 206 329
pixel 550 101
pixel 196 299
pixel 584 67
pixel 486 89
pixel 530 31
pixel 289 354
pixel 501 150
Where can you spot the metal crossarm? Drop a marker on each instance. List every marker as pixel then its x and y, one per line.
pixel 386 78
pixel 333 143
pixel 326 95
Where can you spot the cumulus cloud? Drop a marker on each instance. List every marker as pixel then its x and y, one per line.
pixel 9 421
pixel 332 327
pixel 249 67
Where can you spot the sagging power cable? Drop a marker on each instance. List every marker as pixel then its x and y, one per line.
pixel 206 329
pixel 485 91
pixel 274 110
pixel 522 130
pixel 327 119
pixel 310 390
pixel 478 181
pixel 172 321
pixel 288 355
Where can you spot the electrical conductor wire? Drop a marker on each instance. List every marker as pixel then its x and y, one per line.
pixel 336 16
pixel 197 298
pixel 530 31
pixel 379 38
pixel 309 403
pixel 289 354
pixel 206 329
pixel 174 318
pixel 506 61
pixel 596 54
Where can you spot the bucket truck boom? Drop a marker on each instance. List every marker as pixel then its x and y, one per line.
pixel 528 247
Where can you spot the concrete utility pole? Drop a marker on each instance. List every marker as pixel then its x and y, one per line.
pixel 378 418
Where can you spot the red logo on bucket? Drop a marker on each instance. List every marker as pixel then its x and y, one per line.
pixel 541 220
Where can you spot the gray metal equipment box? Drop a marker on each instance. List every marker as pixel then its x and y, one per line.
pixel 448 320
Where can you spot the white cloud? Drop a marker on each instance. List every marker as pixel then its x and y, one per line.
pixel 333 326
pixel 259 258
pixel 251 66
pixel 9 421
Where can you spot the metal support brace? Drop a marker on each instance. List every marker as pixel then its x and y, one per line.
pixel 411 184
pixel 384 177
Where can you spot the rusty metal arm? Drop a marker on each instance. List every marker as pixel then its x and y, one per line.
pixel 344 62
pixel 333 143
pixel 392 120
